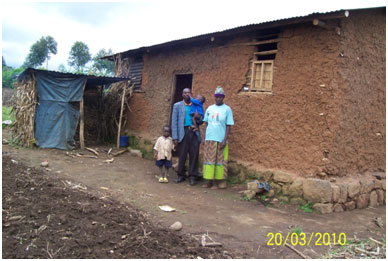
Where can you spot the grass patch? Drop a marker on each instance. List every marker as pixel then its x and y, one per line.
pixel 296 230
pixel 307 208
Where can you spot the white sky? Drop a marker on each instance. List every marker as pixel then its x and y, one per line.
pixel 131 24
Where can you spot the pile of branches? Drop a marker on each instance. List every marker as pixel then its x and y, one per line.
pixel 23 110
pixel 359 249
pixel 112 106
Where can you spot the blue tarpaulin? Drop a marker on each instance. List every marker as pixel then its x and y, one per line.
pixel 58 100
pixel 56 113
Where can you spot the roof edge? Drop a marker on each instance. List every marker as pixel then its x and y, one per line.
pixel 343 13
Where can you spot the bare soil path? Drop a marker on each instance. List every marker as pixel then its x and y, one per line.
pixel 240 226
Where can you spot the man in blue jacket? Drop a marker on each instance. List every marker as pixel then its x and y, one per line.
pixel 184 138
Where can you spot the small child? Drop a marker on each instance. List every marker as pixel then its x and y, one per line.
pixel 163 156
pixel 197 107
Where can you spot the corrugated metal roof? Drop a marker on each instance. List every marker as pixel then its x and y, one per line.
pixel 92 79
pixel 246 28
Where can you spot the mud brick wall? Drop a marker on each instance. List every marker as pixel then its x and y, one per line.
pixel 360 142
pixel 322 116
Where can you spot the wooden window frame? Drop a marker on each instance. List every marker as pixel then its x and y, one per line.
pixel 252 87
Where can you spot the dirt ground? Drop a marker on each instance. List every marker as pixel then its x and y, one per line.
pixel 82 207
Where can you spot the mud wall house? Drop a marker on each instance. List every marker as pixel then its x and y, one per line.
pixel 307 93
pixel 53 109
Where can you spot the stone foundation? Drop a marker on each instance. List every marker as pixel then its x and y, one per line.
pixel 328 194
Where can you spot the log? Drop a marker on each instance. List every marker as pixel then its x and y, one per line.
pixel 319 23
pixel 121 115
pixel 82 122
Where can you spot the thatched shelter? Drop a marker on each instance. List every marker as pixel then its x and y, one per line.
pixel 51 108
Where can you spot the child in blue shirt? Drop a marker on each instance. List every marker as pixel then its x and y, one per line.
pixel 197 107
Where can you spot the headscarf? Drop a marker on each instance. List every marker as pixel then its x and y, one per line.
pixel 219 92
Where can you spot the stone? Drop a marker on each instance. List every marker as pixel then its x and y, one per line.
pixel 277 188
pixel 373 199
pixel 266 175
pixel 280 176
pixel 284 199
pixel 249 194
pixel 233 168
pixel 44 164
pixel 296 188
pixel 252 186
pixel 323 208
pixel 285 189
pixel 338 208
pixel 366 186
pixel 378 184
pixel 136 153
pixel 270 193
pixel 297 201
pixel 380 196
pixel 176 226
pixel 317 191
pixel 343 193
pixel 353 188
pixel 350 205
pixel 362 201
pixel 336 193
pixel 252 174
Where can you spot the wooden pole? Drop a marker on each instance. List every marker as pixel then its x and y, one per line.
pixel 81 125
pixel 121 115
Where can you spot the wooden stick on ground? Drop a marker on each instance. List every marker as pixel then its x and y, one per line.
pixel 297 251
pixel 377 242
pixel 119 153
pixel 91 150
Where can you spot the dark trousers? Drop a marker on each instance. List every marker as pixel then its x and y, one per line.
pixel 189 145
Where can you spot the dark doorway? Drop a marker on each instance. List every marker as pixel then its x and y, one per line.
pixel 182 81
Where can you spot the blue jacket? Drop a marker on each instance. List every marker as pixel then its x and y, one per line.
pixel 178 121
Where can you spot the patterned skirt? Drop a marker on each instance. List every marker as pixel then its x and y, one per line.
pixel 215 162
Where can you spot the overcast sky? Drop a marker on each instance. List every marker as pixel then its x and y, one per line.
pixel 131 24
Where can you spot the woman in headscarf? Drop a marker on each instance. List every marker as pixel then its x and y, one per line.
pixel 218 120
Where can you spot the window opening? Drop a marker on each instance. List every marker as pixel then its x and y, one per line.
pixel 260 74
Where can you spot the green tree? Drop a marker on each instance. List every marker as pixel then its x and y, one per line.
pixel 79 55
pixel 103 66
pixel 40 52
